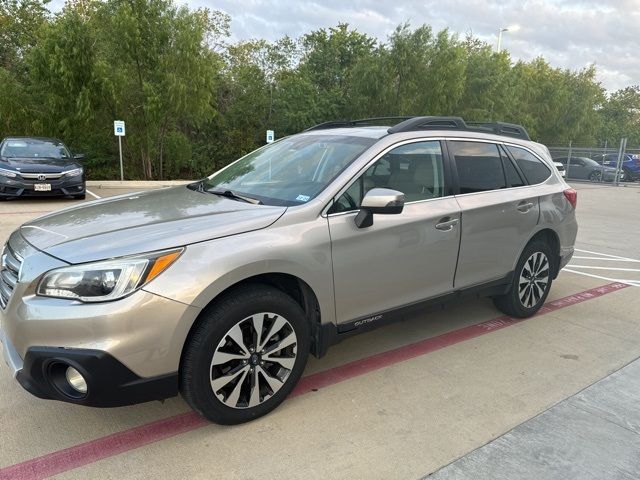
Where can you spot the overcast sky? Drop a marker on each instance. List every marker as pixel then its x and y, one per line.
pixel 568 33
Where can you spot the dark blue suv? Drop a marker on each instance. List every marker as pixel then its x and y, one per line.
pixel 630 164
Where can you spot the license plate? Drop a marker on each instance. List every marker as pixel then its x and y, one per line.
pixel 42 187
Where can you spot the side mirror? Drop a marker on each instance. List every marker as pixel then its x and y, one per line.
pixel 78 156
pixel 381 201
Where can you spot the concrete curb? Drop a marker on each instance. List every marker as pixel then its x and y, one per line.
pixel 135 183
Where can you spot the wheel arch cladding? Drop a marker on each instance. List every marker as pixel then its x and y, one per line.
pixel 293 286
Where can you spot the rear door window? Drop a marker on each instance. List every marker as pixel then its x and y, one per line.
pixel 479 166
pixel 532 167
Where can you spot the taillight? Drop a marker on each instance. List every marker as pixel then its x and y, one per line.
pixel 572 196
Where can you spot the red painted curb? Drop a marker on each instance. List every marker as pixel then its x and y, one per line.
pixel 110 445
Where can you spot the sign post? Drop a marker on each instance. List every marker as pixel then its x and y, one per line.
pixel 270 136
pixel 118 131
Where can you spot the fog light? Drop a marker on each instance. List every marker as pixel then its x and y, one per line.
pixel 76 380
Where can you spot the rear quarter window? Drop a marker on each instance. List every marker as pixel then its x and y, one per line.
pixel 531 166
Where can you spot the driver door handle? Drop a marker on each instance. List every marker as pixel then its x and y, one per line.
pixel 446 224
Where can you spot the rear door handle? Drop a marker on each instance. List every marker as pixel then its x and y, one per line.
pixel 447 223
pixel 525 206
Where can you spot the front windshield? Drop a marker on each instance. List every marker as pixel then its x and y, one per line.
pixel 291 171
pixel 33 148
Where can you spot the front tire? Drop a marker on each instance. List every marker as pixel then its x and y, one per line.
pixel 595 176
pixel 245 355
pixel 531 282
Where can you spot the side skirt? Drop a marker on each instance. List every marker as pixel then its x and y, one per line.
pixel 332 334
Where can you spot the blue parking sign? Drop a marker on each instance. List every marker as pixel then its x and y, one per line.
pixel 118 128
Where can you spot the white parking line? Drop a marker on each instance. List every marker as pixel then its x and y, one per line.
pixel 626 282
pixel 604 257
pixel 607 268
pixel 92 194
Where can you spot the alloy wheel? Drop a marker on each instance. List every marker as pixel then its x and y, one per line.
pixel 596 177
pixel 253 360
pixel 534 279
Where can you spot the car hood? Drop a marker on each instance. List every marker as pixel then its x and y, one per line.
pixel 143 222
pixel 39 165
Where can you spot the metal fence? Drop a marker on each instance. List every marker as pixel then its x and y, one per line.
pixel 616 164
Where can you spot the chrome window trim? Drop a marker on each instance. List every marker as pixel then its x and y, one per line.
pixel 504 144
pixel 438 139
pixel 407 203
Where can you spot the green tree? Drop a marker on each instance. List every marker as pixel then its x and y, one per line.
pixel 620 116
pixel 328 61
pixel 20 21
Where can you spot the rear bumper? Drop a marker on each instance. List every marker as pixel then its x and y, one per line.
pixel 565 257
pixel 109 382
pixel 16 187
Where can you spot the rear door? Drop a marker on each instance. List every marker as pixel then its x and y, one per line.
pixel 499 212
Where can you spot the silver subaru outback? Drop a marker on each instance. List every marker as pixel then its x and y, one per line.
pixel 220 289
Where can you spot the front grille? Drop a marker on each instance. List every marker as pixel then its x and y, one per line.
pixel 9 270
pixel 37 176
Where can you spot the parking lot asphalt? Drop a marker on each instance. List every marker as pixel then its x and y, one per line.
pixel 399 402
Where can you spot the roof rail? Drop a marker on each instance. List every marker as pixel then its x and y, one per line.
pixel 429 123
pixel 353 123
pixel 457 123
pixel 501 128
pixel 411 124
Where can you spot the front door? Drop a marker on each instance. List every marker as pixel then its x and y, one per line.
pixel 403 258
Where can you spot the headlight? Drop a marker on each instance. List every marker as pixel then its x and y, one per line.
pixel 73 173
pixel 106 280
pixel 8 173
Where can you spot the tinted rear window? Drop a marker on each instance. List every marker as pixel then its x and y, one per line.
pixel 511 173
pixel 479 166
pixel 531 166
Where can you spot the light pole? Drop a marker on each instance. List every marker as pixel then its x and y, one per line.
pixel 500 32
pixel 510 28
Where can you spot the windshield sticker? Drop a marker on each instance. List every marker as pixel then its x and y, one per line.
pixel 303 198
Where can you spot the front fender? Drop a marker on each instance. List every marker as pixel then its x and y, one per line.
pixel 207 269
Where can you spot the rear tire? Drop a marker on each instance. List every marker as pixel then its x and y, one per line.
pixel 234 366
pixel 531 281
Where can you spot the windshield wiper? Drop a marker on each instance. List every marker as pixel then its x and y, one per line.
pixel 235 196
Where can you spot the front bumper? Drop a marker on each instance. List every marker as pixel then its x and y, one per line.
pixel 109 382
pixel 21 187
pixel 128 350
